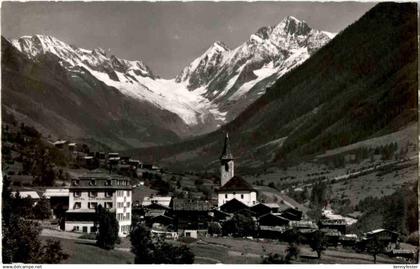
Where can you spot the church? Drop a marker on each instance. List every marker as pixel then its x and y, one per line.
pixel 231 186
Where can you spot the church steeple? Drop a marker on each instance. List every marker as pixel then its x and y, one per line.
pixel 226 163
pixel 226 154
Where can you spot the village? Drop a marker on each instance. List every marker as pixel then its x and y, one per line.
pixel 227 209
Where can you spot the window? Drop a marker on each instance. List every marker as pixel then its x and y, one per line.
pixel 108 194
pixel 125 228
pixel 226 195
pixel 92 182
pixel 128 193
pixel 128 216
pixel 93 194
pixel 242 196
pixel 77 194
pixel 124 209
pixel 85 229
pixel 108 182
pixel 92 205
pixel 187 234
pixel 108 205
pixel 128 204
pixel 75 182
pixel 77 205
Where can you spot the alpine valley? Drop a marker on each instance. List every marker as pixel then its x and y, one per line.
pixel 96 97
pixel 360 87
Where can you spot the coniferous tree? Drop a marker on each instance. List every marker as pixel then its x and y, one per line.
pixel 375 247
pixel 42 209
pixel 52 253
pixel 317 243
pixel 148 250
pixel 108 228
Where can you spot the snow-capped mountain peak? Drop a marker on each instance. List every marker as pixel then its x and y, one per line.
pixel 272 51
pixel 219 46
pixel 71 56
pixel 203 67
pixel 291 25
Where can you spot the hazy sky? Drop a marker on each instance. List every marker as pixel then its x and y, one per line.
pixel 165 35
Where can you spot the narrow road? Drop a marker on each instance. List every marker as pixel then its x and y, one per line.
pixel 208 259
pixel 64 235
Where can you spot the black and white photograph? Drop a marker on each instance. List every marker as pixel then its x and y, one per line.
pixel 204 132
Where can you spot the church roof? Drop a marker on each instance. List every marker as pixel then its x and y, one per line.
pixel 226 154
pixel 236 183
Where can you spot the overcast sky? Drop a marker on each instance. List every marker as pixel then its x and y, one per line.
pixel 165 35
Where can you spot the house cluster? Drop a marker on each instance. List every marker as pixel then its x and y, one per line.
pixel 175 217
pixel 112 161
pixel 187 217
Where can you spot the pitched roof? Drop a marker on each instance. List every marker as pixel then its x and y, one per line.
pixel 226 154
pixel 24 194
pixel 190 205
pixel 63 192
pixel 233 206
pixel 163 200
pixel 236 183
pixel 274 216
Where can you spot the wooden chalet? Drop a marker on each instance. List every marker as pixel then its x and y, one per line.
pixel 383 235
pixel 233 206
pixel 264 208
pixel 191 215
pixel 163 221
pixel 348 240
pixel 292 214
pixel 305 228
pixel 219 216
pixel 273 232
pixel 273 219
pixel 332 236
pixel 335 224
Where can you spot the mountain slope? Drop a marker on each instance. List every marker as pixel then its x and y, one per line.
pixel 362 84
pixel 132 78
pixel 76 105
pixel 211 91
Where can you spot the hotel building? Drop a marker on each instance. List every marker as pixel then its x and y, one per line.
pixel 112 192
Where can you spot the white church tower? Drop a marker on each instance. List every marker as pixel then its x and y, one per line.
pixel 226 163
pixel 233 189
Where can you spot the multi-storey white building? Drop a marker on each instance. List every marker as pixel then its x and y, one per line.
pixel 87 192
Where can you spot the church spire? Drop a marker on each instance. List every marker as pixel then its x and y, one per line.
pixel 226 154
